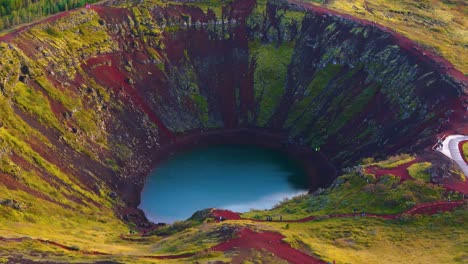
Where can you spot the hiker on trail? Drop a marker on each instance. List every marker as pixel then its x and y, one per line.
pixel 281 218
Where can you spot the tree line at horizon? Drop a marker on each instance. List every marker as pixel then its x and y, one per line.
pixel 15 12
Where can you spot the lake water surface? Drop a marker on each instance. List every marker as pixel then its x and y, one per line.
pixel 237 178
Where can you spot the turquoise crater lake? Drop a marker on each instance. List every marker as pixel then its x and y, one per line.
pixel 237 178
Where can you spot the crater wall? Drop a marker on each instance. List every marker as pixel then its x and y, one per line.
pixel 91 99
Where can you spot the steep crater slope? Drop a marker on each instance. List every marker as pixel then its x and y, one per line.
pixel 92 99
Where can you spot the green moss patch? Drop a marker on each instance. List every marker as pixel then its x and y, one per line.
pixel 270 75
pixel 419 171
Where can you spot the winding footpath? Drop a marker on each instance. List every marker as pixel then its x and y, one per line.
pixel 270 241
pixel 425 208
pixel 273 242
pixel 457 154
pixel 452 148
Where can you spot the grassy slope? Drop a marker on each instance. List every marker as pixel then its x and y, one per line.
pixel 395 161
pixel 365 240
pixel 438 25
pixel 419 171
pixel 84 225
pixel 378 241
pixel 421 239
pixel 465 150
pixel 416 239
pixel 270 75
pixel 91 229
pixel 365 193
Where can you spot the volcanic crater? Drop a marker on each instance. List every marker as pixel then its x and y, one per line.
pixel 91 100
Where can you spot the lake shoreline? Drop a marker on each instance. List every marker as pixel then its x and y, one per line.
pixel 319 170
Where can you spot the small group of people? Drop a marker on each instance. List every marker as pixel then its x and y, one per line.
pixel 355 211
pixel 270 218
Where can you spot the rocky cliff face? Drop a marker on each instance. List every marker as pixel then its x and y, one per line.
pixel 353 89
pixel 92 98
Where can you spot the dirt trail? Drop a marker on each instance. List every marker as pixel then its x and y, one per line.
pixel 273 242
pixel 269 241
pixel 399 171
pixel 426 209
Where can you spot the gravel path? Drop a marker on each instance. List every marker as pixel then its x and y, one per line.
pixel 452 150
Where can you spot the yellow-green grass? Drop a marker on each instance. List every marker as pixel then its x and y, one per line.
pixel 363 193
pixel 439 25
pixel 85 228
pixel 40 252
pixel 421 239
pixel 90 228
pixel 419 171
pixel 412 239
pixel 465 150
pixel 191 240
pixel 395 161
pixel 270 75
pixel 85 37
pixel 36 104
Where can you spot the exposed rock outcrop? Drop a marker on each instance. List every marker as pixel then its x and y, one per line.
pixel 91 99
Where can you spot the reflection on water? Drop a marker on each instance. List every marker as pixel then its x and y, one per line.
pixel 237 178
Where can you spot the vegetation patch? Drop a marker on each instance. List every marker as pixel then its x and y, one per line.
pixel 436 25
pixel 420 171
pixel 36 104
pixel 465 150
pixel 395 161
pixel 270 75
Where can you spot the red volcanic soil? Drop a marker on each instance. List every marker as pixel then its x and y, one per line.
pixel 405 43
pixel 425 208
pixel 433 208
pixel 457 185
pixel 457 123
pixel 112 77
pixel 400 171
pixel 226 214
pixel 269 241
